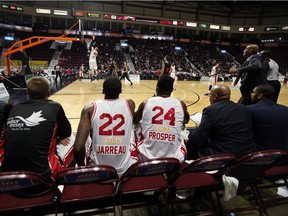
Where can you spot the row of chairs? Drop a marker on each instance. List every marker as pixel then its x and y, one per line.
pixel 154 182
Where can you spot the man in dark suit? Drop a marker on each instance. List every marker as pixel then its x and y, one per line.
pixel 225 127
pixel 270 120
pixel 251 73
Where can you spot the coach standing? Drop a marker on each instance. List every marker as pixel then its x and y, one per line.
pixel 251 73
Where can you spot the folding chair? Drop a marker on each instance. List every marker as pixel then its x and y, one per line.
pixel 142 178
pixel 87 188
pixel 250 169
pixel 276 176
pixel 26 190
pixel 205 172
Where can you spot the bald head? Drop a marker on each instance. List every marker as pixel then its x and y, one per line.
pixel 220 92
pixel 254 48
pixel 250 50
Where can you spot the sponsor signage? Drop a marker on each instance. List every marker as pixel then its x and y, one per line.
pixel 95 15
pixel 271 28
pixel 43 11
pixel 246 29
pixel 285 28
pixel 146 20
pixel 60 12
pixel 178 23
pixel 214 27
pixel 79 13
pixel 225 28
pixel 202 25
pixel 166 22
pixel 12 7
pixel 191 24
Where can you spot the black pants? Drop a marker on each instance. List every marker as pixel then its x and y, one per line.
pixel 277 86
pixel 58 73
pixel 125 75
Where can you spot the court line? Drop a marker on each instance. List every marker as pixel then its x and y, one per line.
pixel 198 97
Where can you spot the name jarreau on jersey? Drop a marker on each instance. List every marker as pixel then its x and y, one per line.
pixel 111 149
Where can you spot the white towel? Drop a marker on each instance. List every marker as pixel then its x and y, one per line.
pixel 282 191
pixel 63 150
pixel 230 187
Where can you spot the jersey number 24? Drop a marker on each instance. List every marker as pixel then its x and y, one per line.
pixel 160 116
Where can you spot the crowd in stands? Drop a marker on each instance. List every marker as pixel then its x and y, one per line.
pixel 193 59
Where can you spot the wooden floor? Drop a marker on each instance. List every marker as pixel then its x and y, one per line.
pixel 74 96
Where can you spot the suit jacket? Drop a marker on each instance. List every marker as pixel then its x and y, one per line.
pixel 225 127
pixel 251 75
pixel 270 125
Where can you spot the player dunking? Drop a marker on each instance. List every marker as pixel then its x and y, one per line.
pixel 93 63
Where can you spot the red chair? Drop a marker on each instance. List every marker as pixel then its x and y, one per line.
pixel 88 188
pixel 143 177
pixel 196 175
pixel 276 176
pixel 24 190
pixel 250 169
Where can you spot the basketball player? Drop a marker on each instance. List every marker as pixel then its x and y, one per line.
pixel 81 72
pixel 173 72
pixel 110 123
pixel 213 75
pixel 166 66
pixel 162 121
pixel 93 63
pixel 124 73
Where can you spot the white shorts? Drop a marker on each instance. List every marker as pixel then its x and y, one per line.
pixel 172 75
pixel 93 65
pixel 213 80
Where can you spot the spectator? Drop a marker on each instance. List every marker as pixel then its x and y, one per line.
pixel 4 112
pixel 271 69
pixel 251 73
pixel 58 72
pixel 110 124
pixel 269 119
pixel 162 119
pixel 225 127
pixel 32 129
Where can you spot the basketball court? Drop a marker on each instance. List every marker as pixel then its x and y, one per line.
pixel 74 96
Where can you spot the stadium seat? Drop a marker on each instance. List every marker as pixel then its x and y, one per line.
pixel 203 173
pixel 26 190
pixel 88 188
pixel 250 170
pixel 276 177
pixel 145 183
